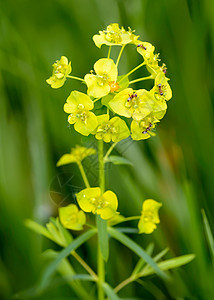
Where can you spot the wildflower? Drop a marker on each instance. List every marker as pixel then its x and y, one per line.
pixel 162 90
pixel 104 81
pixel 141 130
pixel 61 68
pixel 149 216
pixel 114 129
pixel 92 200
pixel 136 104
pixel 151 59
pixel 71 217
pixel 78 105
pixel 76 155
pixel 113 35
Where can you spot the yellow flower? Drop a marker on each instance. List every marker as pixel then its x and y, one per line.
pixel 91 200
pixel 149 216
pixel 104 81
pixel 162 90
pixel 71 217
pixel 76 156
pixel 141 130
pixel 151 59
pixel 61 68
pixel 136 104
pixel 114 129
pixel 78 105
pixel 113 35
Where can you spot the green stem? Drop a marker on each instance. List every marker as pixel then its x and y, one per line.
pixel 109 52
pixel 141 79
pixel 101 166
pixel 132 71
pixel 74 77
pixel 84 177
pixel 109 151
pixel 128 219
pixel 100 261
pixel 119 56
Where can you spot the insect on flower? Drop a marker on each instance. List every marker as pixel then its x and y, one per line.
pixel 134 95
pixel 147 129
pixel 160 89
pixel 141 46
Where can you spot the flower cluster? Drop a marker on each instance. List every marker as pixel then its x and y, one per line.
pixel 128 111
pixel 123 111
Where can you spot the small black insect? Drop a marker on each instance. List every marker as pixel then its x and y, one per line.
pixel 131 97
pixel 147 129
pixel 141 46
pixel 160 89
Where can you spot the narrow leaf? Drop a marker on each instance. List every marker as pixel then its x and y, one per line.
pixel 141 261
pixel 64 253
pixel 38 228
pixel 169 264
pixel 103 237
pixel 118 160
pixel 209 235
pixel 110 292
pixel 138 250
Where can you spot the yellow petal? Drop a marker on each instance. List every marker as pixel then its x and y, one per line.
pixel 66 159
pixel 78 101
pixel 111 198
pixel 87 126
pixel 106 67
pixel 96 88
pixel 117 104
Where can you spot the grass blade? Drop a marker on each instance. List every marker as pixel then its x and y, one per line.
pixel 209 235
pixel 138 250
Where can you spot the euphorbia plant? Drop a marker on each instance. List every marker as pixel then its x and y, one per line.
pixel 125 112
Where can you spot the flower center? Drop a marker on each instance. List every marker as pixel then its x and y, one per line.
pixel 72 219
pixel 148 216
pixel 102 79
pixel 113 37
pixel 99 202
pixel 114 86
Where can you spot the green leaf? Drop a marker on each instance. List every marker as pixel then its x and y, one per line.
pixel 38 228
pixel 67 272
pixel 63 254
pixel 124 83
pixel 105 100
pixel 110 292
pixel 209 234
pixel 118 160
pixel 138 250
pixel 103 237
pixel 141 262
pixel 169 264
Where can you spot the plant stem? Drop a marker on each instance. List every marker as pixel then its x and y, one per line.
pixel 109 151
pixel 74 77
pixel 100 261
pixel 109 52
pixel 141 79
pixel 101 166
pixel 119 56
pixel 132 71
pixel 85 265
pixel 128 219
pixel 123 284
pixel 84 177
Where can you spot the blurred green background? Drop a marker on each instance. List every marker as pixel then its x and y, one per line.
pixel 176 167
